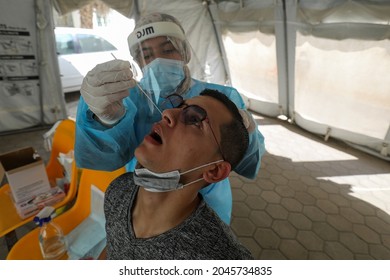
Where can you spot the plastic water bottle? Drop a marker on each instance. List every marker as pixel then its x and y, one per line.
pixel 51 239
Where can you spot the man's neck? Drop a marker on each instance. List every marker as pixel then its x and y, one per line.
pixel 156 213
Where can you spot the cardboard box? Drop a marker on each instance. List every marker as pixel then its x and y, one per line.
pixel 25 172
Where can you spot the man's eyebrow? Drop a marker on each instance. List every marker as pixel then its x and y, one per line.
pixel 200 106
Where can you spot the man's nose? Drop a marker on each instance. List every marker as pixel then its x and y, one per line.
pixel 171 116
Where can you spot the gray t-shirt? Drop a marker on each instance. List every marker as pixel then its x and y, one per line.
pixel 203 235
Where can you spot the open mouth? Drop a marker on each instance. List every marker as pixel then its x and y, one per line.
pixel 156 137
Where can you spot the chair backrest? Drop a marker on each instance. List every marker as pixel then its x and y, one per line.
pixel 63 142
pixel 100 179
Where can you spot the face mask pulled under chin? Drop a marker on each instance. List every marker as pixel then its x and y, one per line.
pixel 163 182
pixel 162 77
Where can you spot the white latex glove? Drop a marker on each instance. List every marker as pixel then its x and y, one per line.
pixel 105 86
pixel 248 120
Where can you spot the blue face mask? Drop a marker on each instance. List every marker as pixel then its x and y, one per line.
pixel 164 182
pixel 162 77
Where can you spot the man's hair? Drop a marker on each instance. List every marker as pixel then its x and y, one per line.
pixel 234 136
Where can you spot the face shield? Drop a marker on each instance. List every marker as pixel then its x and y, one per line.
pixel 162 53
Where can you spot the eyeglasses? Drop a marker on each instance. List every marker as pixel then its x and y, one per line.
pixel 191 114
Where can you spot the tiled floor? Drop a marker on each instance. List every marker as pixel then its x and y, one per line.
pixel 311 199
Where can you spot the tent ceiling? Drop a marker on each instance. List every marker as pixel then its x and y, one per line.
pixel 67 6
pixel 312 16
pixel 316 11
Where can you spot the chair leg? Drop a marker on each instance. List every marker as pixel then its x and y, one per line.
pixel 11 239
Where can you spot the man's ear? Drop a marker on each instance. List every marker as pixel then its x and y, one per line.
pixel 220 171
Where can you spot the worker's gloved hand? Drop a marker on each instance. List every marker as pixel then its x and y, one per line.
pixel 248 120
pixel 105 86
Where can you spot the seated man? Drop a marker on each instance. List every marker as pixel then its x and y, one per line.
pixel 156 212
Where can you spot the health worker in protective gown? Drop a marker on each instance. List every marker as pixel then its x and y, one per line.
pixel 116 112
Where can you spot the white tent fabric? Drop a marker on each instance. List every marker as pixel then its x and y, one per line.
pixel 30 85
pixel 322 64
pixel 341 59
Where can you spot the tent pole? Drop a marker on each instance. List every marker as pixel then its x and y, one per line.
pixel 287 60
pixel 220 48
pixel 39 57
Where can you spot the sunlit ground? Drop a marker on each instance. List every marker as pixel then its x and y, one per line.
pixel 366 182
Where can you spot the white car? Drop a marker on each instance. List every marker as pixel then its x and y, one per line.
pixel 79 50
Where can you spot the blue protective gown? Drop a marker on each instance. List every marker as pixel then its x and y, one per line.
pixel 102 148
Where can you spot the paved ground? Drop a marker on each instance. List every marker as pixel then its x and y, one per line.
pixel 311 199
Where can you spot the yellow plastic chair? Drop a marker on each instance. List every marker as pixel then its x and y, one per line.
pixel 27 248
pixel 63 142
